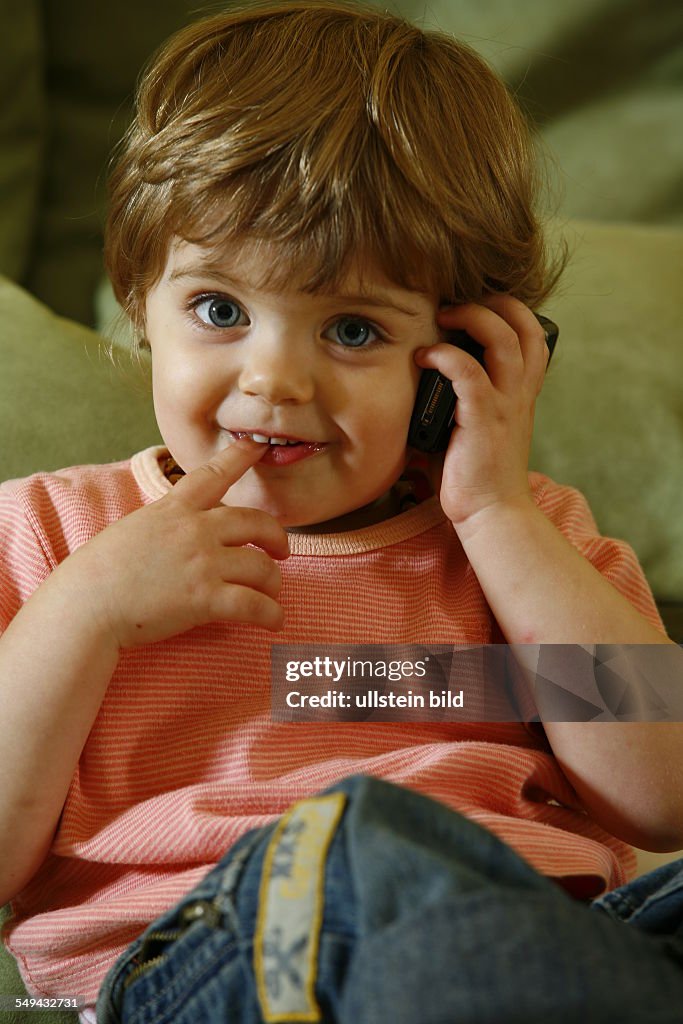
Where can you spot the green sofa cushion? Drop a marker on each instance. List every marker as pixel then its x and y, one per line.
pixel 62 400
pixel 610 416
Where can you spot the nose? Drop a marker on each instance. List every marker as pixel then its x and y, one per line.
pixel 278 368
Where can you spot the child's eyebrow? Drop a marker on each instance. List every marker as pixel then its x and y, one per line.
pixel 380 299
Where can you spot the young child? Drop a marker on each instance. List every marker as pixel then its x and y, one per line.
pixel 310 195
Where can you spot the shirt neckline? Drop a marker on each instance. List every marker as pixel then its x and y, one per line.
pixel 147 471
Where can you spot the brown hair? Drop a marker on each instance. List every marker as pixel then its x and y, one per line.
pixel 333 130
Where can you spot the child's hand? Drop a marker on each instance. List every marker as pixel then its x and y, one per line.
pixel 486 463
pixel 182 562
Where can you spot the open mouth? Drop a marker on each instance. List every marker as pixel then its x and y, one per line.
pixel 263 439
pixel 282 451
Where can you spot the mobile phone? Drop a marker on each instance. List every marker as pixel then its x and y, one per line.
pixel 434 412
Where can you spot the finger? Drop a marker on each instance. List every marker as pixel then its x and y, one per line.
pixel 530 335
pixel 502 354
pixel 236 526
pixel 204 487
pixel 468 378
pixel 235 603
pixel 250 567
pixel 454 363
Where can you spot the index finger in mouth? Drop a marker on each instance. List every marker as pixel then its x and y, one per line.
pixel 205 486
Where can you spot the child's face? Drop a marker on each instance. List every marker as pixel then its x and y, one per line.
pixel 229 358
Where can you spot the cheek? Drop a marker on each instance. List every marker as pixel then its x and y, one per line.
pixel 181 383
pixel 168 390
pixel 397 401
pixel 383 419
pixel 168 381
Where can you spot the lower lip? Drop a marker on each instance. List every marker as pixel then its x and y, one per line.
pixel 286 454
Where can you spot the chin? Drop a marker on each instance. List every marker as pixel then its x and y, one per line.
pixel 284 516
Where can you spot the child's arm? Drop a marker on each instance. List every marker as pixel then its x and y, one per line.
pixel 539 587
pixel 177 563
pixel 629 776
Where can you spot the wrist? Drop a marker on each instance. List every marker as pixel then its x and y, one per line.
pixel 78 592
pixel 497 517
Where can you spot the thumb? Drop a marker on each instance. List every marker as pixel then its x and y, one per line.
pixel 205 486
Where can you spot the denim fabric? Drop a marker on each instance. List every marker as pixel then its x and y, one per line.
pixel 653 902
pixel 426 918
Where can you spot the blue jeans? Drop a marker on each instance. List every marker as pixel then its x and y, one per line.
pixel 372 904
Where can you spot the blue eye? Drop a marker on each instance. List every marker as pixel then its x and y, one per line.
pixel 353 332
pixel 220 311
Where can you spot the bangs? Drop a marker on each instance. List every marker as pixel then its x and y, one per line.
pixel 314 153
pixel 319 237
pixel 337 135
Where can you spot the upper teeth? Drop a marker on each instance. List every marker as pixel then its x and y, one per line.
pixel 271 440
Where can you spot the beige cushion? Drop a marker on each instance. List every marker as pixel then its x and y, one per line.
pixel 610 417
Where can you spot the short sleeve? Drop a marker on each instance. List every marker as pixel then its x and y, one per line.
pixel 24 560
pixel 614 559
pixel 47 516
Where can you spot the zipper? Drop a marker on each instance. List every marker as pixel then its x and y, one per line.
pixel 144 961
pixel 149 956
pixel 138 971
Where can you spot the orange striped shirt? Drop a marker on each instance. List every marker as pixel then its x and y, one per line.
pixel 184 757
